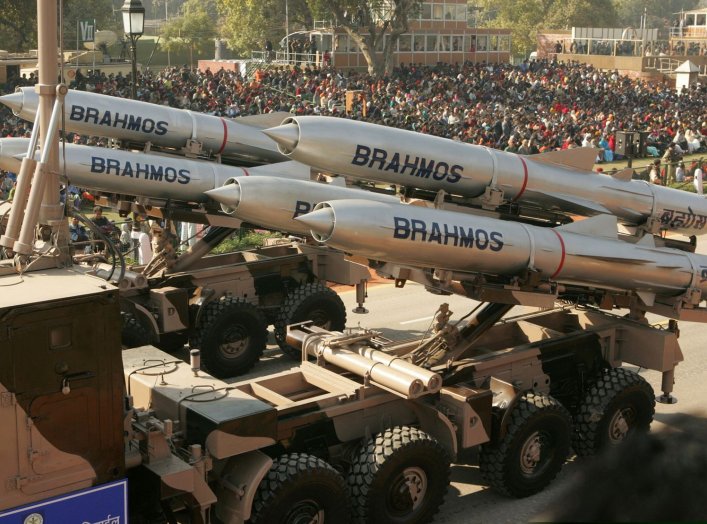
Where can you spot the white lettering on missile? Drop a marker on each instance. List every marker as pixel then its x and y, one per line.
pixel 138 170
pixel 417 166
pixel 125 121
pixel 418 230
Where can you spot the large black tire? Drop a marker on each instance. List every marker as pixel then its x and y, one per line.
pixel 132 333
pixel 619 404
pixel 533 450
pixel 231 335
pixel 401 476
pixel 314 302
pixel 301 489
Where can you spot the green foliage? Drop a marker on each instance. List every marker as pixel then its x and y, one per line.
pixel 244 239
pixel 101 11
pixel 526 17
pixel 660 12
pixel 581 13
pixel 684 186
pixel 194 30
pixel 18 23
pixel 367 22
pixel 246 24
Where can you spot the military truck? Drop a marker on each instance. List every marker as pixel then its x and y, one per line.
pixel 224 303
pixel 363 427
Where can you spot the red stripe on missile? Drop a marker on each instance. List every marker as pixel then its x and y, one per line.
pixel 225 137
pixel 245 171
pixel 562 256
pixel 525 179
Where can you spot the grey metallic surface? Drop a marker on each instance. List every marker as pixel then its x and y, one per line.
pixel 395 156
pixel 586 253
pixel 286 199
pixel 103 115
pixel 143 174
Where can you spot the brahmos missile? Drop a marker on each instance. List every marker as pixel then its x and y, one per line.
pixel 586 253
pixel 560 181
pixel 142 174
pixel 274 203
pixel 135 121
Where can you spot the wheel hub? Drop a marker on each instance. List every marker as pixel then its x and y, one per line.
pixel 408 490
pixel 531 453
pixel 619 425
pixel 320 318
pixel 235 342
pixel 305 512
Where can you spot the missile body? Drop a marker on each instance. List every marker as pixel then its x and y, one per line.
pixel 136 121
pixel 585 253
pixel 274 203
pixel 560 181
pixel 142 174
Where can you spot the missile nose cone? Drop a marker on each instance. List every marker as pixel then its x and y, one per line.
pixel 228 195
pixel 286 136
pixel 320 221
pixel 13 101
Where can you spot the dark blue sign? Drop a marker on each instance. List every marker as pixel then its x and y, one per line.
pixel 412 165
pixel 441 233
pixel 104 504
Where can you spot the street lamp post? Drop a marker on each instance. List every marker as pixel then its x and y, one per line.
pixel 133 26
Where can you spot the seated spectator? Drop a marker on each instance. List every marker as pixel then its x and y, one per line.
pixel 77 232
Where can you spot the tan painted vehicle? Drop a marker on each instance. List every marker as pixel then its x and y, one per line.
pixel 224 303
pixel 363 427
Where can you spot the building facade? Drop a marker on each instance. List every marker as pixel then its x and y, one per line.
pixel 442 32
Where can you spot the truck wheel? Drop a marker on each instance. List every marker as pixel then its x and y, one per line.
pixel 620 403
pixel 301 489
pixel 314 302
pixel 232 335
pixel 132 333
pixel 400 476
pixel 533 450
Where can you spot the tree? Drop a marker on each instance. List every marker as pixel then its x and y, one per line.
pixel 660 12
pixel 526 17
pixel 193 30
pixel 375 26
pixel 246 24
pixel 18 25
pixel 101 12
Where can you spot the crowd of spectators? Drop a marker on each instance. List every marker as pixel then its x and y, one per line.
pixel 550 105
pixel 534 107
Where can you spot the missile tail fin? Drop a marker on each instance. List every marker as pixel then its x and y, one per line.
pixel 263 121
pixel 625 174
pixel 604 226
pixel 579 158
pixel 647 298
pixel 646 241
